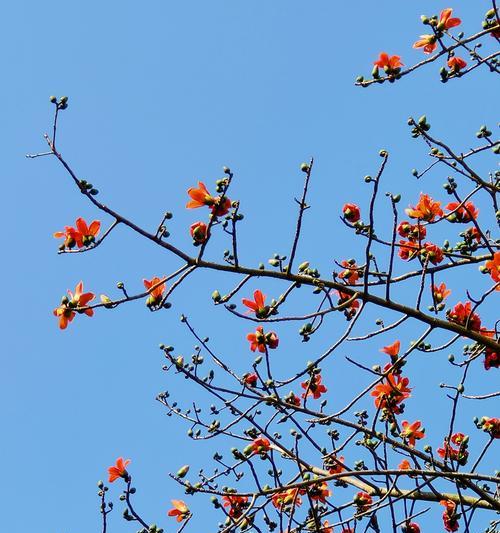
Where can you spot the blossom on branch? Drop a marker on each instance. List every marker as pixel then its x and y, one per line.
pixel 180 510
pixel 412 432
pixel 462 213
pixel 313 387
pixel 118 470
pixel 258 304
pixel 156 287
pixel 493 265
pixel 390 64
pixel 426 209
pixel 351 212
pixel 71 305
pixel 200 197
pixel 199 232
pixel 260 340
pixel 456 63
pixel 450 517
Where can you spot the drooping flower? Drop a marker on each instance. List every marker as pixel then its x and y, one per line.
pixel 258 304
pixel 426 209
pixel 236 504
pixel 287 498
pixel 427 42
pixel 391 392
pixel 351 212
pixel 250 379
pixel 456 63
pixel 450 517
pixel 156 287
pixel 446 21
pixel 462 213
pixel 199 232
pixel 491 426
pixel 388 63
pixel 200 197
pixel 472 234
pixel 118 470
pixel 432 252
pixel 71 305
pixel 491 359
pixel 260 340
pixel 493 265
pixel 314 387
pixel 412 232
pixel 363 501
pixel 351 274
pixel 180 510
pixel 440 292
pixel 88 233
pixel 412 432
pixel 462 314
pixel 319 492
pixel 350 310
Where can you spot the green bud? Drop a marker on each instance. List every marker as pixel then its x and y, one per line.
pixel 304 167
pixel 183 471
pixel 216 297
pixel 53 99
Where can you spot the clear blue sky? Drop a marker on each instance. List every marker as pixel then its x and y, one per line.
pixel 162 94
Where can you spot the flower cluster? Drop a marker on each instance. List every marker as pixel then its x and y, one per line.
pixel 82 236
pixel 455 449
pixel 76 302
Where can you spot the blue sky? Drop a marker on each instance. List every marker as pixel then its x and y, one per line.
pixel 163 94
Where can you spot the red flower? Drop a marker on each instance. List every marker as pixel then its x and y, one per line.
pixel 462 213
pixel 180 510
pixel 199 232
pixel 413 232
pixel 292 399
pixel 462 314
pixel 201 197
pixel 326 528
pixel 118 470
pixel 319 492
pixel 336 464
pixel 70 306
pixel 411 527
pixel 351 272
pixel 491 359
pixel 236 504
pixel 426 209
pixel 284 499
pixel 427 42
pixel 250 380
pixel 456 63
pixel 260 445
pixel 404 465
pixel 71 237
pixel 351 212
pixel 391 392
pixel 314 387
pixel 491 426
pixel 88 233
pixel 445 20
pixel 458 452
pixel 156 288
pixel 259 340
pixel 472 234
pixel 432 252
pixel 349 311
pixel 392 349
pixel 363 501
pixel 408 250
pixel 258 304
pixel 412 432
pixel 493 265
pixel 440 292
pixel 450 518
pixel 388 63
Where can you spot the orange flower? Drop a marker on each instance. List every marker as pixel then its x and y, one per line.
pixel 259 340
pixel 156 288
pixel 250 379
pixel 412 432
pixel 258 304
pixel 351 273
pixel 392 349
pixel 363 501
pixel 491 426
pixel 427 42
pixel 440 292
pixel 118 470
pixel 351 212
pixel 450 518
pixel 445 20
pixel 472 234
pixel 426 209
pixel 462 314
pixel 319 492
pixel 391 392
pixel 413 232
pixel 71 237
pixel 458 453
pixel 326 527
pixel 491 359
pixel 314 387
pixel 199 232
pixel 292 399
pixel 88 233
pixel 70 306
pixel 388 63
pixel 462 213
pixel 180 510
pixel 350 311
pixel 284 499
pixel 236 504
pixel 432 252
pixel 404 465
pixel 336 464
pixel 493 265
pixel 456 63
pixel 259 445
pixel 201 197
pixel 408 250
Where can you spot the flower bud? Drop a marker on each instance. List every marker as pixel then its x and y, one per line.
pixel 183 471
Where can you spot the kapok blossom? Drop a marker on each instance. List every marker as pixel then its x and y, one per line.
pixel 388 63
pixel 427 42
pixel 260 445
pixel 491 359
pixel 156 287
pixel 493 265
pixel 408 250
pixel 250 380
pixel 463 315
pixel 412 232
pixel 180 510
pixel 363 501
pixel 392 350
pixel 72 304
pixel 236 504
pixel 287 498
pixel 83 235
pixel 412 432
pixel 411 527
pixel 404 465
pixel 292 399
pixel 118 470
pixel 351 212
pixel 456 63
pixel 440 292
pixel 319 492
pixel 491 426
pixel 432 253
pixel 456 449
pixel 258 304
pixel 450 517
pixel 446 21
pixel 260 340
pixel 391 392
pixel 199 232
pixel 462 213
pixel 200 197
pixel 351 273
pixel 71 237
pixel 313 387
pixel 426 209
